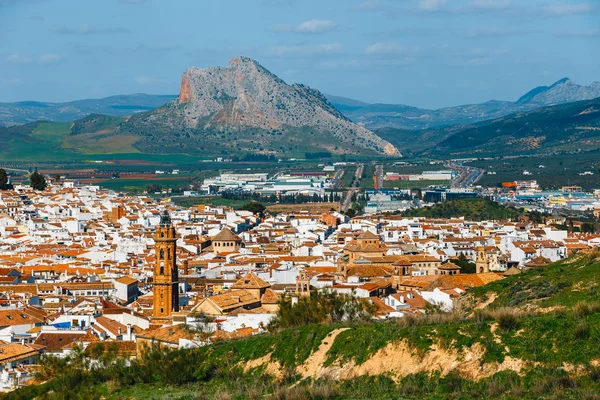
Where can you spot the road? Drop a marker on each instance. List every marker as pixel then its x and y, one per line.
pixel 466 175
pixel 378 178
pixel 354 189
pixel 337 178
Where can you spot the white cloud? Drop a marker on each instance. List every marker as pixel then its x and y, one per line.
pixel 148 80
pixel 18 59
pixel 431 5
pixel 50 58
pixel 568 9
pixel 311 26
pixel 306 50
pixel 383 48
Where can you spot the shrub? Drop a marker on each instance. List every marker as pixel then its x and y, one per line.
pixel 581 331
pixel 322 307
pixel 508 319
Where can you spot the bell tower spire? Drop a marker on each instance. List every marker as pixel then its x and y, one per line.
pixel 166 279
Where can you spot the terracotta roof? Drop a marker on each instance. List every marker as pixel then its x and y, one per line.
pixel 270 297
pixel 126 280
pixel 449 266
pixel 226 235
pixel 18 317
pixel 368 235
pixel 170 334
pixel 56 340
pixel 250 281
pixel 114 327
pixel 232 299
pixel 16 351
pixel 368 271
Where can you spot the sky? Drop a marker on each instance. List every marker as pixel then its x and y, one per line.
pixel 424 53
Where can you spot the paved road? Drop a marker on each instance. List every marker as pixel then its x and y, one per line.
pixel 466 175
pixel 378 178
pixel 337 178
pixel 354 189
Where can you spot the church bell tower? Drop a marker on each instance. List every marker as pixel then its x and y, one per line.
pixel 166 279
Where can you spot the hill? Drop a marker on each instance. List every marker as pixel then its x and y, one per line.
pixel 478 350
pixel 251 110
pixel 25 112
pixel 569 126
pixel 399 116
pixel 559 128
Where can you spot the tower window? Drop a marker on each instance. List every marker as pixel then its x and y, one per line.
pixel 162 254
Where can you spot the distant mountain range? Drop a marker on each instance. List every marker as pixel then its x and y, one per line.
pixel 244 108
pixel 30 111
pixel 372 116
pixel 377 116
pixel 565 127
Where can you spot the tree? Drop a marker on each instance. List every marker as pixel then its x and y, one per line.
pixel 466 267
pixel 322 307
pixel 254 207
pixel 37 181
pixel 4 185
pixel 3 177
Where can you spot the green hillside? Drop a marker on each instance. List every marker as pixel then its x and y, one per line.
pixel 569 126
pixel 543 345
pixel 473 209
pixel 559 128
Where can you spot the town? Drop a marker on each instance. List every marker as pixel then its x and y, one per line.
pixel 82 265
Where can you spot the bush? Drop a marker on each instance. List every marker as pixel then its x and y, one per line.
pixel 322 307
pixel 581 331
pixel 508 319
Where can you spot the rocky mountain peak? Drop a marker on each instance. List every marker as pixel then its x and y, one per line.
pixel 245 95
pixel 561 91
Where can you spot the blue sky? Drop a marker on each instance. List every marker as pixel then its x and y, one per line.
pixel 427 53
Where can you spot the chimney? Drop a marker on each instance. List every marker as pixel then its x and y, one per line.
pixel 119 331
pixel 402 300
pixel 129 331
pixel 185 267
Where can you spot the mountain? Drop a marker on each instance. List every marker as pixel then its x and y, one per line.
pixel 377 116
pixel 564 127
pixel 245 108
pixel 30 111
pixel 562 91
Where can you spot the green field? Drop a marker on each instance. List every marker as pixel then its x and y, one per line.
pixel 213 200
pixel 557 171
pixel 473 209
pixel 132 185
pixel 348 175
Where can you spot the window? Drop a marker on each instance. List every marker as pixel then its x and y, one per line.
pixel 162 254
